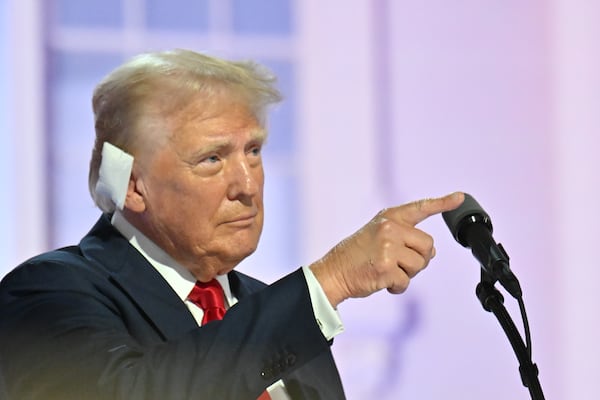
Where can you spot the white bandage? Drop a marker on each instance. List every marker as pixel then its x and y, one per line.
pixel 114 174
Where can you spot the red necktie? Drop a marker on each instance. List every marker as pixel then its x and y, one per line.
pixel 209 297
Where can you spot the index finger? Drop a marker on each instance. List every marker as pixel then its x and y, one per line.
pixel 417 211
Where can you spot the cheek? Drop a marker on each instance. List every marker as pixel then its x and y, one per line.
pixel 199 208
pixel 186 207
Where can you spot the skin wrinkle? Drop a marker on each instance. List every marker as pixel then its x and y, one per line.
pixel 196 191
pixel 204 231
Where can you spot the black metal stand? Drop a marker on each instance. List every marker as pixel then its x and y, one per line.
pixel 491 300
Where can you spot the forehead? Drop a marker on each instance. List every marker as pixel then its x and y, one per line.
pixel 218 116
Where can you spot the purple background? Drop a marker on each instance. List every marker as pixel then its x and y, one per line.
pixel 386 102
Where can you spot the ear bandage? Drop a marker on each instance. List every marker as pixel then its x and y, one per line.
pixel 114 174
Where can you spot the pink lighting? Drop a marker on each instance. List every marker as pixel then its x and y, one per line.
pixel 392 101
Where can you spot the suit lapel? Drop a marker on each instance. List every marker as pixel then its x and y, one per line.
pixel 131 273
pixel 242 285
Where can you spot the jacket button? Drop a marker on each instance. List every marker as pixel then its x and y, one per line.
pixel 266 373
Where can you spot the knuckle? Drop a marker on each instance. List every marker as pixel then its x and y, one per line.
pixel 423 203
pixel 382 213
pixel 385 246
pixel 401 285
pixel 419 204
pixel 385 227
pixel 428 239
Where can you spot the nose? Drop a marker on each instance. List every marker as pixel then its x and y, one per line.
pixel 245 180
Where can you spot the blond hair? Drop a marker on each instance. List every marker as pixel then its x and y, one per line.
pixel 124 99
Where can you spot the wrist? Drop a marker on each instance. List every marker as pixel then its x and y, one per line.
pixel 324 274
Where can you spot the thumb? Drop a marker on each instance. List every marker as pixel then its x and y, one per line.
pixel 417 211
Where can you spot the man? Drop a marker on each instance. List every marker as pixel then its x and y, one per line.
pixel 177 170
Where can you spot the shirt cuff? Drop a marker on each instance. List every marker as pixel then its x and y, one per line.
pixel 327 317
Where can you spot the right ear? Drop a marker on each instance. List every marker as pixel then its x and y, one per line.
pixel 135 200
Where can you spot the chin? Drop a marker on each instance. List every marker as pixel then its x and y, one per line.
pixel 243 245
pixel 231 252
pixel 242 254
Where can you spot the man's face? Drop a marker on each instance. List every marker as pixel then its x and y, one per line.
pixel 203 189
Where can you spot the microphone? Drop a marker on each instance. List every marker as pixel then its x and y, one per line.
pixel 472 228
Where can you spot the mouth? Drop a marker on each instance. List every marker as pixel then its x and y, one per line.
pixel 242 220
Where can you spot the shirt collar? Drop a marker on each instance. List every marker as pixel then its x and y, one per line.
pixel 177 276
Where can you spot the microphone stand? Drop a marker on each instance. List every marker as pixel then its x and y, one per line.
pixel 492 301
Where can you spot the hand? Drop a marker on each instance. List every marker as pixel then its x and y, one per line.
pixel 385 253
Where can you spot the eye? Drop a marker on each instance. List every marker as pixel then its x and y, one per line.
pixel 208 159
pixel 212 159
pixel 209 164
pixel 255 150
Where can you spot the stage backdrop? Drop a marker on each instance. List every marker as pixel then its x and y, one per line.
pixel 385 102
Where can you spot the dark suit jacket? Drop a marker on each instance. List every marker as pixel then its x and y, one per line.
pixel 97 321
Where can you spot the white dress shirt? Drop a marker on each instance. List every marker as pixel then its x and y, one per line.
pixel 182 281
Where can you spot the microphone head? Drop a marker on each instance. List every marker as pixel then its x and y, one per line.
pixel 467 213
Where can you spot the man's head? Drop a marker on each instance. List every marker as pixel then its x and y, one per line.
pixel 195 126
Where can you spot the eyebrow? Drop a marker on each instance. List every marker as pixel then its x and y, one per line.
pixel 258 136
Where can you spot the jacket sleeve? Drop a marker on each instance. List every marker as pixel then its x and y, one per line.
pixel 63 336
